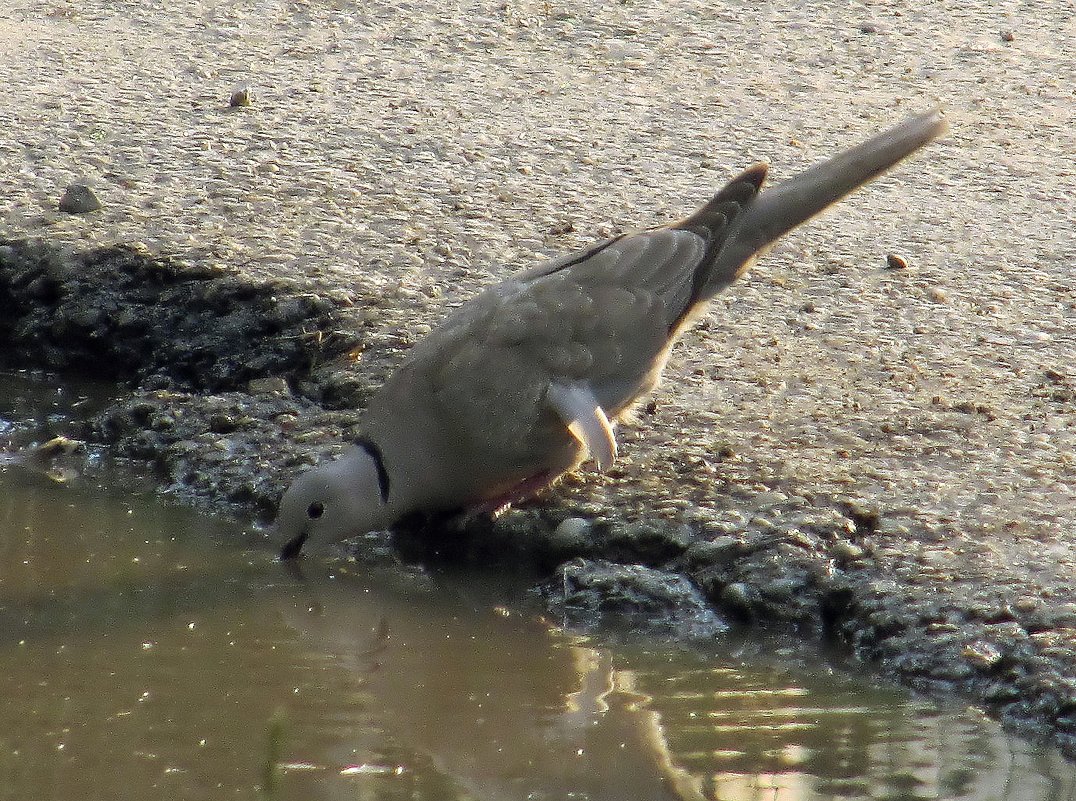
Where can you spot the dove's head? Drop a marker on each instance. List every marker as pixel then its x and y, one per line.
pixel 337 500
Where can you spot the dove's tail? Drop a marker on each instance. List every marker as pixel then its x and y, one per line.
pixel 741 221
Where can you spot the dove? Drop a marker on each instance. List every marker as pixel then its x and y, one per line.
pixel 528 379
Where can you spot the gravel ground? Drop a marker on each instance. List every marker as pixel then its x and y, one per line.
pixel 881 455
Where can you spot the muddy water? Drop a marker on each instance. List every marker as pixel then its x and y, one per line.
pixel 149 652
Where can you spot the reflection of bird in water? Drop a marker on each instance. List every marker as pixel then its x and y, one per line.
pixel 501 704
pixel 628 724
pixel 506 708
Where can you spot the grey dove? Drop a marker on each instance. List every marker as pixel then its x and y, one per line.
pixel 521 383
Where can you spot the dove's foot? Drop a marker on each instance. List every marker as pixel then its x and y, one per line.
pixel 523 491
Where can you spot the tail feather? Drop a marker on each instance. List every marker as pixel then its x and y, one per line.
pixel 741 221
pixel 713 222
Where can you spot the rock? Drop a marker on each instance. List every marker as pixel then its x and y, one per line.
pixel 650 542
pixel 719 551
pixel 570 536
pixel 241 98
pixel 596 593
pixel 982 655
pixel 844 551
pixel 738 598
pixel 1027 604
pixel 273 385
pixel 895 262
pixel 782 589
pixel 79 199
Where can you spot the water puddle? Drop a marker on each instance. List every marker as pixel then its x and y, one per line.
pixel 149 652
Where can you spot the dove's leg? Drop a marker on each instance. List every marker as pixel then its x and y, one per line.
pixel 412 526
pixel 586 420
pixel 523 491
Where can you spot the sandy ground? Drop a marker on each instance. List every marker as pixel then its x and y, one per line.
pixel 886 455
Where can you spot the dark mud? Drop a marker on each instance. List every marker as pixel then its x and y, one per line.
pixel 120 313
pixel 231 386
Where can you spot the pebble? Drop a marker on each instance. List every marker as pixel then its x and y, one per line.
pixel 240 98
pixel 938 295
pixel 981 654
pixel 274 385
pixel 59 446
pixel 845 551
pixel 571 534
pixel 162 422
pixel 1026 604
pixel 782 589
pixel 719 551
pixel 737 597
pixel 650 542
pixel 677 536
pixel 895 262
pixel 79 199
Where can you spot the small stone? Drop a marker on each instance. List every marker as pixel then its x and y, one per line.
pixel 650 541
pixel 1007 36
pixel 79 199
pixel 162 422
pixel 222 423
pixel 895 262
pixel 782 589
pixel 982 655
pixel 59 446
pixel 571 534
pixel 588 592
pixel 736 597
pixel 938 295
pixel 719 551
pixel 867 518
pixel 274 385
pixel 240 98
pixel 844 551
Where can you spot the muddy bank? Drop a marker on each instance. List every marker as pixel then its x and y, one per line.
pixel 231 386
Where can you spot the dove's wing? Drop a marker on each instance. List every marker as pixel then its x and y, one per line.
pixel 585 418
pixel 524 378
pixel 529 373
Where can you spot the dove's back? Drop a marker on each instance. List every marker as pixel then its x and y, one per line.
pixel 472 399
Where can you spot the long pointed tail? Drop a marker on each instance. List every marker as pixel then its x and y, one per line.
pixel 774 212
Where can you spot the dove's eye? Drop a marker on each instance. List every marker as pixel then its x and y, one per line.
pixel 315 510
